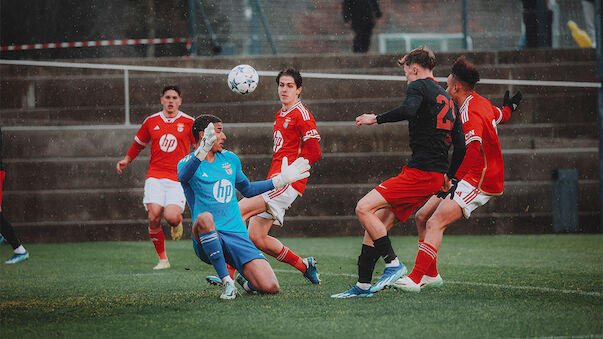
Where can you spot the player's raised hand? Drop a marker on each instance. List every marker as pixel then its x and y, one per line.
pixel 207 142
pixel 366 119
pixel 298 170
pixel 512 102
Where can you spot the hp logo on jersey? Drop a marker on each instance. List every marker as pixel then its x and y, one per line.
pixel 168 143
pixel 223 191
pixel 278 141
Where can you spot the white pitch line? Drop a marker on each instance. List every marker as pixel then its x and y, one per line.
pixel 502 286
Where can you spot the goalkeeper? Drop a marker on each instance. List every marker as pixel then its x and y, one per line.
pixel 481 173
pixel 209 176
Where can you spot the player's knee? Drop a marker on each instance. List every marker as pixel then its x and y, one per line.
pixel 173 218
pixel 434 224
pixel 257 239
pixel 154 220
pixel 420 218
pixel 271 287
pixel 361 209
pixel 204 222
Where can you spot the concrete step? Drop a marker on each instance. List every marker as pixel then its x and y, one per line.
pixel 301 226
pixel 67 91
pixel 538 108
pixel 256 138
pixel 333 168
pixel 319 200
pixel 127 230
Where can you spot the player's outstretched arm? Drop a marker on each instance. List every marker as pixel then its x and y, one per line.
pixel 366 119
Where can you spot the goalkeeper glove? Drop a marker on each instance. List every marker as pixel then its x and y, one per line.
pixel 207 142
pixel 453 184
pixel 291 173
pixel 513 102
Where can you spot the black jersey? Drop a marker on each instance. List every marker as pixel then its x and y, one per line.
pixel 432 126
pixel 1 168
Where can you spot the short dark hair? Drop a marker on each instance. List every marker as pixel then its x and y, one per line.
pixel 171 88
pixel 464 71
pixel 201 123
pixel 421 56
pixel 292 73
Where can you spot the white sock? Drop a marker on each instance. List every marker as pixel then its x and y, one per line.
pixel 393 263
pixel 364 286
pixel 20 250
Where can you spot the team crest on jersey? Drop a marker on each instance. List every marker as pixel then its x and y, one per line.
pixel 286 123
pixel 180 127
pixel 227 168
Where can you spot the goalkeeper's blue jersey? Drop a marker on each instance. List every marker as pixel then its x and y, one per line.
pixel 212 189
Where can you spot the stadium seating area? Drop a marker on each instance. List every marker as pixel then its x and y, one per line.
pixel 63 133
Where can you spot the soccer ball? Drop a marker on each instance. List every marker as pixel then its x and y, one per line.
pixel 243 79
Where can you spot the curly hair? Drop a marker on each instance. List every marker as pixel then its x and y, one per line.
pixel 464 71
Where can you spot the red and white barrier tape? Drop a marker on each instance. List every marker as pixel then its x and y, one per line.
pixel 124 42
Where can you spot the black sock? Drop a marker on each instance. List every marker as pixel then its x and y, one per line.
pixel 7 231
pixel 366 263
pixel 384 248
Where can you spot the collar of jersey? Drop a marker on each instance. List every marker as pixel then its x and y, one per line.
pixel 169 120
pixel 290 109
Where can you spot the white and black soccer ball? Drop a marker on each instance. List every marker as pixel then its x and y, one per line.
pixel 243 79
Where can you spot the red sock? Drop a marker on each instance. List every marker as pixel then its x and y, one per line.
pixel 231 271
pixel 158 240
pixel 425 257
pixel 432 271
pixel 292 259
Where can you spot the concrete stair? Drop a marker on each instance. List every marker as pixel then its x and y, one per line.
pixel 64 131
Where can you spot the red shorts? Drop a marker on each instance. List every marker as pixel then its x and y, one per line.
pixel 410 190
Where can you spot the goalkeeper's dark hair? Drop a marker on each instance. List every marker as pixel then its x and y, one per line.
pixel 421 56
pixel 201 123
pixel 465 72
pixel 171 88
pixel 292 73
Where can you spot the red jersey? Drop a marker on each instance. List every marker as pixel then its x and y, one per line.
pixel 292 129
pixel 170 139
pixel 479 118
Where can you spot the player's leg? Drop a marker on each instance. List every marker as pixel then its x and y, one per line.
pixel 174 205
pixel 7 230
pixel 154 200
pixel 204 232
pixel 251 206
pixel 421 217
pixel 366 210
pixel 367 259
pixel 447 212
pixel 259 273
pixel 275 204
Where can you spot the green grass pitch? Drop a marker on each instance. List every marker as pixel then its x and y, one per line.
pixel 494 286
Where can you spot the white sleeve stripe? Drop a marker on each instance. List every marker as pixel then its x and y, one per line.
pixel 138 141
pixel 474 138
pixel 500 115
pixel 310 137
pixel 304 112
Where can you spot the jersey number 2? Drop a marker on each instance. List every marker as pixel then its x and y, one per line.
pixel 446 115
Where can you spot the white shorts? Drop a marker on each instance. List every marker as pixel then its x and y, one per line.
pixel 469 198
pixel 277 202
pixel 163 192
